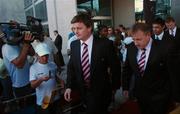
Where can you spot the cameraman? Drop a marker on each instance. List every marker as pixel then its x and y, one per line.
pixel 15 53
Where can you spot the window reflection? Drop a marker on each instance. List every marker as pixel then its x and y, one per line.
pixel 95 7
pixel 29 12
pixel 163 8
pixel 41 11
pixel 27 3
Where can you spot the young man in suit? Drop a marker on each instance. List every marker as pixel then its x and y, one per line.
pixel 158 26
pixel 88 66
pixel 147 61
pixel 172 28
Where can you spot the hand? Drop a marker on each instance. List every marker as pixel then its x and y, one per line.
pixel 45 78
pixel 28 37
pixel 126 93
pixel 67 95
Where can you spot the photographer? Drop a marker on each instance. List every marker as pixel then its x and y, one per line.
pixel 15 53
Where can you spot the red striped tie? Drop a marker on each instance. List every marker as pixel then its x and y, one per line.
pixel 85 65
pixel 141 62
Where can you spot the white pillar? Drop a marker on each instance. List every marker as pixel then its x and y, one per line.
pixel 124 12
pixel 52 17
pixel 60 13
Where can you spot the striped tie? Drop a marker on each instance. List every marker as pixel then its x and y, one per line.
pixel 85 65
pixel 141 62
pixel 172 32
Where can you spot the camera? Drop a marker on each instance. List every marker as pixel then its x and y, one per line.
pixel 13 32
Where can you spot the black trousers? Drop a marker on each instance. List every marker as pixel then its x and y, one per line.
pixel 61 58
pixel 23 91
pixel 97 104
pixel 153 106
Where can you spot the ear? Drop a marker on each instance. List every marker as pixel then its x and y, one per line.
pixel 90 29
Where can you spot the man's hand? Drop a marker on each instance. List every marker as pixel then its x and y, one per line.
pixel 45 78
pixel 67 95
pixel 28 38
pixel 36 83
pixel 126 93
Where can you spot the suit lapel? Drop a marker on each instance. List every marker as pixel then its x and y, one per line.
pixel 93 55
pixel 151 56
pixel 134 59
pixel 78 56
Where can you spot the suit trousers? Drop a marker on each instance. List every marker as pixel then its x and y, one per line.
pixel 96 105
pixel 153 106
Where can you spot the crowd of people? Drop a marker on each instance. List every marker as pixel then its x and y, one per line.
pixel 33 66
pixel 143 60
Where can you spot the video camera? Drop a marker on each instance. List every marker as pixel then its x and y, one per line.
pixel 13 32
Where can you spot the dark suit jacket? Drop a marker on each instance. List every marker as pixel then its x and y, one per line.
pixel 176 40
pixel 166 39
pixel 58 42
pixel 154 84
pixel 103 57
pixel 174 62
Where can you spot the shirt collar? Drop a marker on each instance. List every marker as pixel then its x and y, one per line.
pixel 149 44
pixel 173 30
pixel 160 36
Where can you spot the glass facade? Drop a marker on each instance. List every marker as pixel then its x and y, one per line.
pixel 37 9
pixel 46 29
pixel 29 12
pixel 139 10
pixel 99 9
pixel 163 8
pixel 27 3
pixel 41 11
pixel 160 8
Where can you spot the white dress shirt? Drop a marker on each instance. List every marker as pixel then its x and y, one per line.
pixel 174 31
pixel 160 36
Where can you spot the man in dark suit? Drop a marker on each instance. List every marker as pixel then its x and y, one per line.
pixel 174 55
pixel 58 44
pixel 158 26
pixel 90 60
pixel 146 60
pixel 172 29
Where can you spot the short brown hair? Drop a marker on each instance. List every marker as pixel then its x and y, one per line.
pixel 142 27
pixel 169 19
pixel 159 21
pixel 83 17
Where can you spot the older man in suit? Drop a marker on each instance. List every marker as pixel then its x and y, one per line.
pixel 90 60
pixel 146 60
